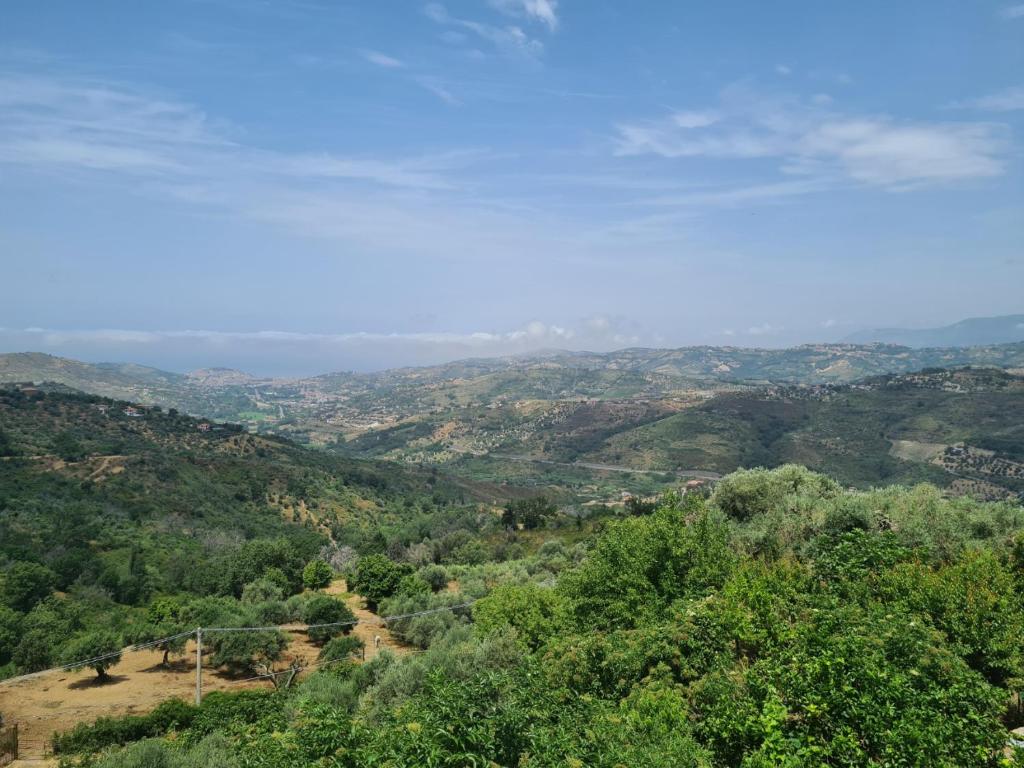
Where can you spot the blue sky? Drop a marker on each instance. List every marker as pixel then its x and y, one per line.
pixel 295 186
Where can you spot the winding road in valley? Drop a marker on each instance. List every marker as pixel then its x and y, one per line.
pixel 694 473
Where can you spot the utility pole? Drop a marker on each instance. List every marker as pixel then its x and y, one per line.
pixel 199 665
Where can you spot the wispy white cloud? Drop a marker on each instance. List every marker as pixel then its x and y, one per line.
pixel 382 59
pixel 812 139
pixel 742 194
pixel 695 119
pixel 1012 11
pixel 765 329
pixel 154 145
pixel 509 39
pixel 93 126
pixel 436 87
pixel 783 69
pixel 1006 100
pixel 544 11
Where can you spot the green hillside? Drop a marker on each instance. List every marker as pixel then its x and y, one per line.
pixel 158 502
pixel 891 429
pixel 959 429
pixel 318 410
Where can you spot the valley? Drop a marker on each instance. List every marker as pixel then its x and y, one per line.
pixel 590 427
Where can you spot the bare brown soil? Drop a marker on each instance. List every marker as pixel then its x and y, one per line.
pixel 57 701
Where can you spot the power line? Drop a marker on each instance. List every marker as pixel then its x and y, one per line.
pixel 381 622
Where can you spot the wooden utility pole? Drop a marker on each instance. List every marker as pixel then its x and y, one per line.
pixel 199 666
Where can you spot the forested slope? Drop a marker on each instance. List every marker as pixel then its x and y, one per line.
pixel 782 622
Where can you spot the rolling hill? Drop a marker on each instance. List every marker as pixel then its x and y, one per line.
pixel 320 409
pixel 95 486
pixel 960 429
pixel 974 331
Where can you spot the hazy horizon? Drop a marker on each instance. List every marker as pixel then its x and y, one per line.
pixel 298 186
pixel 277 355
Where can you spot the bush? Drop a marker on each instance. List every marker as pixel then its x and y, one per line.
pixel 10 632
pixel 34 651
pixel 413 585
pixel 261 591
pixel 641 565
pixel 749 493
pixel 271 612
pixel 169 715
pixel 422 631
pixel 534 612
pixel 322 609
pixel 341 649
pixel 434 575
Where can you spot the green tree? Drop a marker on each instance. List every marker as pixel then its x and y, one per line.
pixel 10 632
pixel 317 574
pixel 25 584
pixel 6 444
pixel 148 632
pixel 34 651
pixel 530 513
pixel 257 557
pixel 749 493
pixel 435 575
pixel 99 649
pixel 261 591
pixel 377 577
pixel 323 609
pixel 535 612
pixel 640 565
pixel 244 652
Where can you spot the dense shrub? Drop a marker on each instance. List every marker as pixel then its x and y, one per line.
pixel 322 609
pixel 748 493
pixel 536 613
pixel 172 714
pixel 378 577
pixel 341 649
pixel 25 584
pixel 246 652
pixel 437 577
pixel 643 564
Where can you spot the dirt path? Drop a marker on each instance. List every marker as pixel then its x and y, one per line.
pixel 368 628
pixel 57 701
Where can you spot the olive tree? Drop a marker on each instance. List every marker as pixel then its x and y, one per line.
pixel 99 649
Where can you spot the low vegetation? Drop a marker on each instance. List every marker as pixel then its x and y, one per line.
pixel 784 620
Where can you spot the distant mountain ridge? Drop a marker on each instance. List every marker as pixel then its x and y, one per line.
pixel 323 409
pixel 972 332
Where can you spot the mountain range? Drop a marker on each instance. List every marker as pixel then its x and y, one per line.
pixel 634 419
pixel 971 332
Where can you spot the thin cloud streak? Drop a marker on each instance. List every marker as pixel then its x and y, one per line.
pixel 382 59
pixel 810 140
